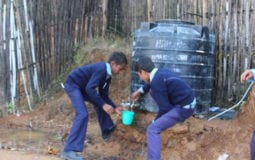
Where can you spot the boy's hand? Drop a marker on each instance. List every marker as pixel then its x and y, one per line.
pixel 118 110
pixel 136 95
pixel 108 108
pixel 246 75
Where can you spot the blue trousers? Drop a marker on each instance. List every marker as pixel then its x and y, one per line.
pixel 252 146
pixel 164 122
pixel 76 138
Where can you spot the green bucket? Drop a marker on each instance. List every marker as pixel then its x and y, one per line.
pixel 127 117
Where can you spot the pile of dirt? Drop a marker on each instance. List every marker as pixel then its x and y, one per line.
pixel 194 139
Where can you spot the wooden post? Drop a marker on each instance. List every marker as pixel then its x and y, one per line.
pixel 105 4
pixel 35 76
pixel 26 13
pixel 178 15
pixel 205 11
pixel 21 71
pixel 149 11
pixel 20 66
pixel 2 65
pixel 12 56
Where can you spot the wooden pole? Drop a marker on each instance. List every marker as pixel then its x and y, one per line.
pixel 12 57
pixel 26 14
pixel 35 74
pixel 20 59
pixel 104 7
pixel 26 51
pixel 2 66
pixel 4 28
pixel 149 11
pixel 205 13
pixel 20 66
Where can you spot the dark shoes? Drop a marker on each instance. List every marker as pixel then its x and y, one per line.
pixel 70 155
pixel 107 133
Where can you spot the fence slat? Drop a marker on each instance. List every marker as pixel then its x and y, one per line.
pixel 50 29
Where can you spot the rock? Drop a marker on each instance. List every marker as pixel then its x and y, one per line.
pixel 171 143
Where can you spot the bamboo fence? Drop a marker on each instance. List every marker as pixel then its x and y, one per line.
pixel 38 38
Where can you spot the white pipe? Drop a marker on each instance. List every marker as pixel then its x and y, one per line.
pixel 234 106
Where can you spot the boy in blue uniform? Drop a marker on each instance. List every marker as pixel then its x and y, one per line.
pixel 91 83
pixel 249 75
pixel 173 96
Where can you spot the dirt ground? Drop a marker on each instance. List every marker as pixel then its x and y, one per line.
pixel 40 135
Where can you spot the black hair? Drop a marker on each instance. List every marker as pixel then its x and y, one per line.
pixel 143 63
pixel 118 57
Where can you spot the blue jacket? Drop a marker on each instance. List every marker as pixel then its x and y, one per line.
pixel 168 90
pixel 93 82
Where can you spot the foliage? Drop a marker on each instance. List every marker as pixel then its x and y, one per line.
pixel 10 108
pixel 83 55
pixel 109 43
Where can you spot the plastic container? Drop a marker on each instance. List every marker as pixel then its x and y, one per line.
pixel 127 117
pixel 183 47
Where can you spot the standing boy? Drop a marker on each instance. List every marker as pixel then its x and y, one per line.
pixel 249 75
pixel 173 96
pixel 91 83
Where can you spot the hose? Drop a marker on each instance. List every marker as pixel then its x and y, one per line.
pixel 234 106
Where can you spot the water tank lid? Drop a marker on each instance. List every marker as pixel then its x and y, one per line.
pixel 175 21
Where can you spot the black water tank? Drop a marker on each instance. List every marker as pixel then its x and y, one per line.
pixel 183 47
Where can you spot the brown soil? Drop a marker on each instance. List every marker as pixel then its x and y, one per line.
pixel 196 139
